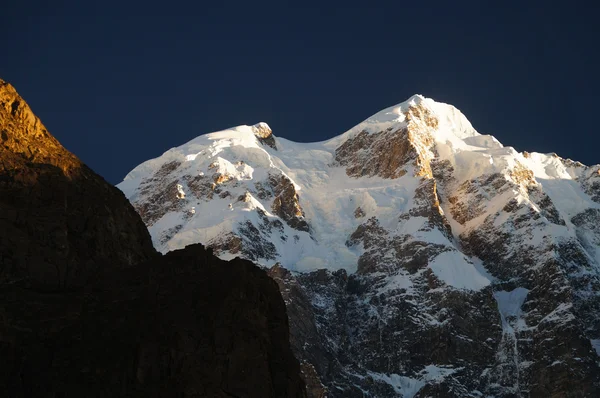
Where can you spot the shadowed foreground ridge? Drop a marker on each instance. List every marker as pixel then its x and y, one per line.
pixel 88 308
pixel 176 326
pixel 59 220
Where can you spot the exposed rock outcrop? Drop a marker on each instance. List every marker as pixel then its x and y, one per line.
pixel 390 153
pixel 382 154
pixel 264 135
pixel 359 213
pixel 286 203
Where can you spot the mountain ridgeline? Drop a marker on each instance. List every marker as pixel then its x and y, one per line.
pixel 416 257
pixel 88 308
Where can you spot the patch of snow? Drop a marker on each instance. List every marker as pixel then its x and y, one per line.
pixel 509 306
pixel 399 281
pixel 456 270
pixel 409 387
pixel 596 346
pixel 509 303
pixel 561 314
pixel 405 386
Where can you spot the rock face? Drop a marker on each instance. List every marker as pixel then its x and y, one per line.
pixel 387 153
pixel 89 308
pixel 436 262
pixel 59 221
pixel 263 132
pixel 285 203
pixel 176 326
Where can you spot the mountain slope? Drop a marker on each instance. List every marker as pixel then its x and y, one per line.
pixel 88 308
pixel 426 258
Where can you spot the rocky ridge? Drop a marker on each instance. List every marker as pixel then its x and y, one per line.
pixel 89 308
pixel 48 234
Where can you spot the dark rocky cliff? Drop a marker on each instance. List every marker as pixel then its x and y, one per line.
pixel 183 325
pixel 88 308
pixel 59 221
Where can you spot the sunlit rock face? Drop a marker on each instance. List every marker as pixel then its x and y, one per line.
pixel 416 256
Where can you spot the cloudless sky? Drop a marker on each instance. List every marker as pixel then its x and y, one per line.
pixel 121 82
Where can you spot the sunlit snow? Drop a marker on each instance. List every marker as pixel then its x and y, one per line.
pixel 329 197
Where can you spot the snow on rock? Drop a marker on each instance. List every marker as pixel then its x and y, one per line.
pixel 458 271
pixel 596 346
pixel 405 386
pixel 408 237
pixel 509 303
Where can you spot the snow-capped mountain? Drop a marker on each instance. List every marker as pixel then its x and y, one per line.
pixel 416 256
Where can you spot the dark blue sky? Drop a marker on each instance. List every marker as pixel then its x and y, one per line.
pixel 119 83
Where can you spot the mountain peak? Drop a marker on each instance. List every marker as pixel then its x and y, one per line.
pixel 263 132
pixel 25 138
pixel 410 221
pixel 419 107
